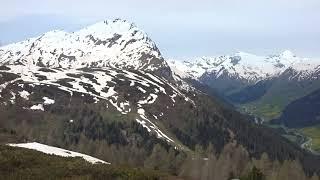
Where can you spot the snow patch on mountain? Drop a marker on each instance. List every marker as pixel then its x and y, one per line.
pixel 47 101
pixel 57 151
pixel 37 107
pixel 24 94
pixel 150 126
pixel 13 98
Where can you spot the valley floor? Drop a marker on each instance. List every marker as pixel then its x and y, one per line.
pixel 314 134
pixel 307 138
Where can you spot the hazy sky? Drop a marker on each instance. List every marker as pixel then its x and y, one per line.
pixel 181 28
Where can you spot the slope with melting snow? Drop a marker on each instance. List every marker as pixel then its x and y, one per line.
pixel 57 151
pixel 119 88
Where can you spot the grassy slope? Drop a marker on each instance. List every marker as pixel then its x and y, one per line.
pixel 20 163
pixel 314 133
pixel 278 97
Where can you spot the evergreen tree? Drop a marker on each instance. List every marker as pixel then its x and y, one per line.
pixel 156 159
pixel 254 174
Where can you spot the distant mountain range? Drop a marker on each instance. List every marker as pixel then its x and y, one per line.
pixel 248 68
pixel 262 85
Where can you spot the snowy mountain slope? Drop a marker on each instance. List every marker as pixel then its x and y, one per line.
pixel 57 151
pixel 246 67
pixel 116 43
pixel 125 91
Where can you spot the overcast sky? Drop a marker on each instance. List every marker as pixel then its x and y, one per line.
pixel 181 28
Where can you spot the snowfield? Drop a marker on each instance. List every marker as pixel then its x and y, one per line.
pixel 57 151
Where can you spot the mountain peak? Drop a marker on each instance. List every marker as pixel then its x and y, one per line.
pixel 107 28
pixel 287 54
pixel 116 43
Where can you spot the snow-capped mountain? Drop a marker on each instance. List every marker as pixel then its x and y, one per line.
pixel 112 64
pixel 116 43
pixel 246 67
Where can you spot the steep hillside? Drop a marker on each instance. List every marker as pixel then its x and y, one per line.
pixel 280 93
pixel 303 112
